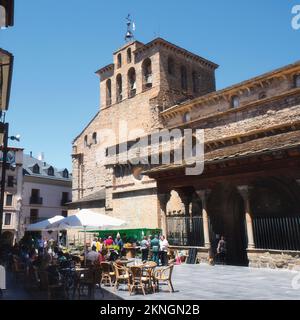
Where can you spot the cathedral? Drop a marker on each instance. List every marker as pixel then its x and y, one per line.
pixel 249 189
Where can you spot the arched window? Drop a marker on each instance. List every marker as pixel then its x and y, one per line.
pixel 195 79
pixel 65 174
pixel 171 67
pixel 85 141
pixel 183 73
pixel 297 81
pixel 129 57
pixel 119 88
pixel 131 83
pixel 50 171
pixel 147 74
pixel 108 92
pixel 119 60
pixel 235 102
pixel 36 169
pixel 95 137
pixel 187 117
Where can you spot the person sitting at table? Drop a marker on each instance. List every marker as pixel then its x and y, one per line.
pixel 155 249
pixel 92 255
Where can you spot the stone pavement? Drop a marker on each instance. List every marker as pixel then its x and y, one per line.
pixel 204 282
pixel 16 291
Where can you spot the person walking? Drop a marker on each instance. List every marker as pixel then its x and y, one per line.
pixel 221 250
pixel 155 249
pixel 163 247
pixel 145 249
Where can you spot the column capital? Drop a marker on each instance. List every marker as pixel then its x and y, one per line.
pixel 244 191
pixel 203 194
pixel 163 198
pixel 185 196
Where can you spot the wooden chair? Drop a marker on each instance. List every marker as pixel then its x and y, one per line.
pixel 122 275
pixel 53 288
pixel 107 274
pixel 140 279
pixel 87 280
pixel 19 269
pixel 164 275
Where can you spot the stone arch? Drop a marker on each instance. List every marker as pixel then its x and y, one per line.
pixel 108 92
pixel 119 88
pixel 147 73
pixel 275 196
pixel 131 82
pixel 227 218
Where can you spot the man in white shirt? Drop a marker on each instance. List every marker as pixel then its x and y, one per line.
pixel 163 245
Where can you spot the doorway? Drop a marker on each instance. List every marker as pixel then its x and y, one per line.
pixel 227 218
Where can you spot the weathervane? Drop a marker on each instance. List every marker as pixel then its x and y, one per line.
pixel 130 28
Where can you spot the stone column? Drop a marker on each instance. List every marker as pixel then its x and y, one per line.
pixel 203 194
pixel 186 199
pixel 163 199
pixel 244 192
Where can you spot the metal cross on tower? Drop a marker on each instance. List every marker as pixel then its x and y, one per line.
pixel 130 28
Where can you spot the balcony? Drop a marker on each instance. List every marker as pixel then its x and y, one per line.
pixel 36 200
pixel 33 219
pixel 64 202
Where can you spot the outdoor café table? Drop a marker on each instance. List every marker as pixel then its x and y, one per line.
pixel 71 278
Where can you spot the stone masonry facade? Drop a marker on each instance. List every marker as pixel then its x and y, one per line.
pixel 161 86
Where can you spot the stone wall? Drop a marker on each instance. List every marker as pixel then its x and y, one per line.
pixel 274 259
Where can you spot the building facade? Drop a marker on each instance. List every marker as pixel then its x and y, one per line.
pixel 12 195
pixel 139 83
pixel 249 189
pixel 45 193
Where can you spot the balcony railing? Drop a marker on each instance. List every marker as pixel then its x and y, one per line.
pixel 30 220
pixel 36 200
pixel 64 202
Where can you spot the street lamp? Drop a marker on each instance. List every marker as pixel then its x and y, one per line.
pixel 4 164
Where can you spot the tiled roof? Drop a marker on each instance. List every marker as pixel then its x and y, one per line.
pixel 96 196
pixel 254 147
pixel 29 162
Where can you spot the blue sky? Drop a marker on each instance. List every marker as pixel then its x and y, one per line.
pixel 59 44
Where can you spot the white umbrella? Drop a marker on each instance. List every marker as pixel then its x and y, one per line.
pixel 88 220
pixel 45 224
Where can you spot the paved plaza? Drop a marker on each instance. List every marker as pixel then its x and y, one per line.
pixel 204 282
pixel 197 282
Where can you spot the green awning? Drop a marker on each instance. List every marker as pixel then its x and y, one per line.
pixel 128 234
